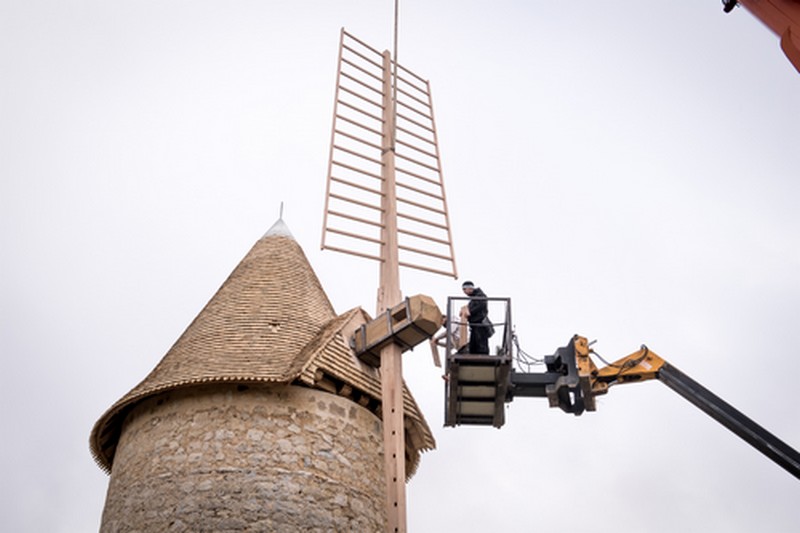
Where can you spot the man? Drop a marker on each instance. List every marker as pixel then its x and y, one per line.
pixel 477 313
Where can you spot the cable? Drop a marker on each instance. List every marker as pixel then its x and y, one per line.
pixel 523 359
pixel 627 364
pixel 603 360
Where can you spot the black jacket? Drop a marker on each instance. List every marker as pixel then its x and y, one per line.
pixel 478 309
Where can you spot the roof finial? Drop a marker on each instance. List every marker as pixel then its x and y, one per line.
pixel 279 228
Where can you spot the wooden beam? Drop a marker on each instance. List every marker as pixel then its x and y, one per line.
pixel 346 391
pixel 388 296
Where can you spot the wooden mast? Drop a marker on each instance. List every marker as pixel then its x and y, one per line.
pixel 389 295
pixel 385 201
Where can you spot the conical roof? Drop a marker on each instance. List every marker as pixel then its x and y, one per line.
pixel 270 321
pixel 271 304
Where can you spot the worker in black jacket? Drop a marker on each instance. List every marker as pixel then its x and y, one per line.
pixel 478 318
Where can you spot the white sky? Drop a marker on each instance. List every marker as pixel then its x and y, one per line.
pixel 626 170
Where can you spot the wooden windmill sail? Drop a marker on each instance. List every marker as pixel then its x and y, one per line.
pixel 385 200
pixel 384 156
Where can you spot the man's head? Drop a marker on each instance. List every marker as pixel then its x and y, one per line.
pixel 468 287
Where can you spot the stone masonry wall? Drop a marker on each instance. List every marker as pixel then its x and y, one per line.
pixel 227 458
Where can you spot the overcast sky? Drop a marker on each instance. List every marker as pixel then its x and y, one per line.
pixel 628 170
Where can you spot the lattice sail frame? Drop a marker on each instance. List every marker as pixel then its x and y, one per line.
pixel 354 195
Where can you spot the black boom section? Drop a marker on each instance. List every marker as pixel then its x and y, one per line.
pixel 730 417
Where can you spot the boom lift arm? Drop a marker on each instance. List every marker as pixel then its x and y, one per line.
pixel 573 381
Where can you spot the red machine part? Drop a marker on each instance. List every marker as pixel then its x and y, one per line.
pixel 782 17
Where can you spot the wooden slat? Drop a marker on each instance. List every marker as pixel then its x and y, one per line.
pixel 354 201
pixel 449 273
pixel 421 236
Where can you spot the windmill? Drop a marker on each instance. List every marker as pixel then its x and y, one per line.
pixel 385 201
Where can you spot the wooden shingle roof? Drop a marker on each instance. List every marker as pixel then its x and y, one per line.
pixel 269 322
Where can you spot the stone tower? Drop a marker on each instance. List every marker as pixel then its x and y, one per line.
pixel 259 418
